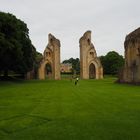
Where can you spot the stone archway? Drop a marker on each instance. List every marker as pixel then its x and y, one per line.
pixel 90 65
pixel 48 71
pixel 92 71
pixel 51 57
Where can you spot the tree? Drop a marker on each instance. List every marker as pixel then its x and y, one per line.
pixel 112 62
pixel 38 59
pixel 16 50
pixel 75 64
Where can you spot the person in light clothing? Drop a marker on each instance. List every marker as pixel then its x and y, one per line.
pixel 76 81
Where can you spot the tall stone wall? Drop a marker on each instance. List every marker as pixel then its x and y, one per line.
pixel 51 56
pixel 131 70
pixel 90 66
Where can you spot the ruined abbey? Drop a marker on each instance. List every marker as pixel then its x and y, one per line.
pixel 131 71
pixel 90 65
pixel 50 65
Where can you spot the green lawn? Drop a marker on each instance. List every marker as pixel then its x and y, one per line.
pixel 59 110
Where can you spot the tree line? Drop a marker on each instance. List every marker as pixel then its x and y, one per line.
pixel 112 62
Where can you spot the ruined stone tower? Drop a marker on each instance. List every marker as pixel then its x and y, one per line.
pixel 50 65
pixel 90 65
pixel 131 70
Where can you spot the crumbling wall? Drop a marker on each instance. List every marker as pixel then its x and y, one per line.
pixel 51 56
pixel 88 56
pixel 131 70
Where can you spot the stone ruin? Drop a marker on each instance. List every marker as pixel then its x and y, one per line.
pixel 50 65
pixel 131 71
pixel 90 65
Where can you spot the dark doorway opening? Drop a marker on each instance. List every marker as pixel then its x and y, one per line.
pixel 48 71
pixel 92 71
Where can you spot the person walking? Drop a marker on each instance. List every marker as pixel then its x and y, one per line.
pixel 76 81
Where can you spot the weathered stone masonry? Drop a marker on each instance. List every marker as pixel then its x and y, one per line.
pixel 51 57
pixel 90 65
pixel 131 70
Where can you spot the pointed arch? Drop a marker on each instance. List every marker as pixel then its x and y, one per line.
pixel 48 71
pixel 92 71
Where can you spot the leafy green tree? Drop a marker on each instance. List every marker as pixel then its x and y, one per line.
pixel 38 59
pixel 16 50
pixel 112 62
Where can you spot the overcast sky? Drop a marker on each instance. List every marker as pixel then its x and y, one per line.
pixel 109 20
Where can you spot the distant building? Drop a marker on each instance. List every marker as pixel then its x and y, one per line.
pixel 66 67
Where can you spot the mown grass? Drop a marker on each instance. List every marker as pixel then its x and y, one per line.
pixel 59 110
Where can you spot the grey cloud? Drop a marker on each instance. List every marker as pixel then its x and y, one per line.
pixel 109 21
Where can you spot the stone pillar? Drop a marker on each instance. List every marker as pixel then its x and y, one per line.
pixel 131 70
pixel 87 56
pixel 51 56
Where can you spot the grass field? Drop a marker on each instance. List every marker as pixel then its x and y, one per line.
pixel 59 110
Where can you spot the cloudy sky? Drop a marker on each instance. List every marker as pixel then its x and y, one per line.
pixel 109 20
